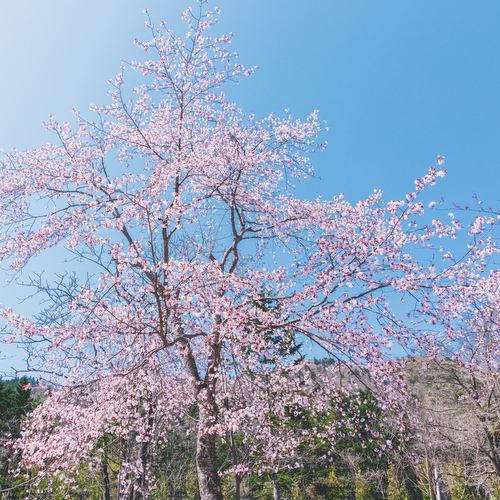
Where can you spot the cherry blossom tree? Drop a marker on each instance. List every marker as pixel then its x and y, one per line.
pixel 183 209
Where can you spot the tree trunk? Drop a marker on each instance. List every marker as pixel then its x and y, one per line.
pixel 492 440
pixel 237 480
pixel 106 493
pixel 430 479
pixel 208 479
pixel 204 391
pixel 237 476
pixel 276 493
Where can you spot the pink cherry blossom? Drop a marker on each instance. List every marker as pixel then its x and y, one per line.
pixel 180 204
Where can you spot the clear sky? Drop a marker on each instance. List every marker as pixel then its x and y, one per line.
pixel 399 82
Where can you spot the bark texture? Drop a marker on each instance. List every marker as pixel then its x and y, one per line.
pixel 208 479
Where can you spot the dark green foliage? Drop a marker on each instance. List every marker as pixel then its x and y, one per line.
pixel 15 403
pixel 285 342
pixel 369 436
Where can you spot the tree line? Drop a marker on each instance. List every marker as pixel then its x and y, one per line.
pixel 361 467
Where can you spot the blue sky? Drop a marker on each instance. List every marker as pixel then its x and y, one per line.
pixel 398 81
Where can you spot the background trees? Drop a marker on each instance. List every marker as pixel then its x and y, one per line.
pixel 16 401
